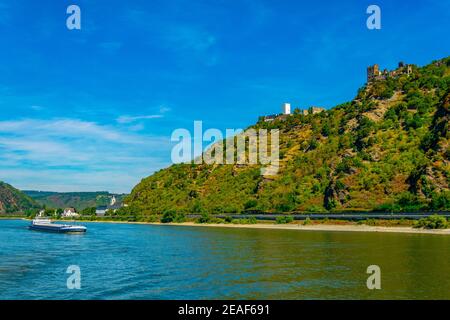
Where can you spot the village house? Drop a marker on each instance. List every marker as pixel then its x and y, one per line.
pixel 69 212
pixel 101 210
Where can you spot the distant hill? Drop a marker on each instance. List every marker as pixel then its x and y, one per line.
pixel 13 201
pixel 388 149
pixel 78 200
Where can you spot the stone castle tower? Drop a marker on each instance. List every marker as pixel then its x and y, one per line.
pixel 373 72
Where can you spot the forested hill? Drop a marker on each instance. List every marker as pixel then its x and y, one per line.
pixel 388 149
pixel 78 200
pixel 13 201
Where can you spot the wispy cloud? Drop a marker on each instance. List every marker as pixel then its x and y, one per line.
pixel 69 150
pixel 189 38
pixel 164 109
pixel 186 40
pixel 129 119
pixel 126 119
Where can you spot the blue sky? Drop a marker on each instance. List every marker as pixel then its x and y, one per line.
pixel 93 109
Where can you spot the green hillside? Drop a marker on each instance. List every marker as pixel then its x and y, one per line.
pixel 78 200
pixel 388 150
pixel 13 201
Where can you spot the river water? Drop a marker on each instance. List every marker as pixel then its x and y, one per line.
pixel 127 261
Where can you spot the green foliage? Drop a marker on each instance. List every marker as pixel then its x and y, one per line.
pixel 78 200
pixel 370 222
pixel 284 219
pixel 205 218
pixel 152 218
pixel 173 216
pixel 88 211
pixel 250 204
pixel 13 201
pixel 251 220
pixel 440 201
pixel 432 222
pixel 408 201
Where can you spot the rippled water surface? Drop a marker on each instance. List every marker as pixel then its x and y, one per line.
pixel 124 261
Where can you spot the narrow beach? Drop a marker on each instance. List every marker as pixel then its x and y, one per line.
pixel 295 226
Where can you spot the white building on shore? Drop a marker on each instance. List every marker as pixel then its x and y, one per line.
pixel 70 212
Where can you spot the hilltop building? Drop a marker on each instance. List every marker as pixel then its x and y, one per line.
pixel 286 111
pixel 113 206
pixel 286 108
pixel 374 72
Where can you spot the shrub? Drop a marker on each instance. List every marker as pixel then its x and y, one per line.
pixel 440 201
pixel 152 218
pixel 205 218
pixel 172 216
pixel 284 219
pixel 370 222
pixel 216 220
pixel 432 222
pixel 251 220
pixel 250 204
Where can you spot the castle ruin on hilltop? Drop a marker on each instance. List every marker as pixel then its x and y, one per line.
pixel 374 72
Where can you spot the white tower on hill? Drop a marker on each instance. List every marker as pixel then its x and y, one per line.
pixel 286 108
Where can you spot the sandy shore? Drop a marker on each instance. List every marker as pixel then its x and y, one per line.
pixel 294 226
pixel 318 227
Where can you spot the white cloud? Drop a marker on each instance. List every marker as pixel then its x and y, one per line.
pixel 73 154
pixel 129 119
pixel 126 119
pixel 164 109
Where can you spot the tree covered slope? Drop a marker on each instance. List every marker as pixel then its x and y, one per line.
pixel 388 150
pixel 13 201
pixel 78 200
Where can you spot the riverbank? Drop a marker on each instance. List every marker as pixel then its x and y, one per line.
pixel 316 227
pixel 346 227
pixel 296 226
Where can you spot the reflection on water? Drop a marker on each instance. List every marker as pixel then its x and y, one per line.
pixel 120 261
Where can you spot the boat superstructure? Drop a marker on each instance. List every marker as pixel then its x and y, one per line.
pixel 44 224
